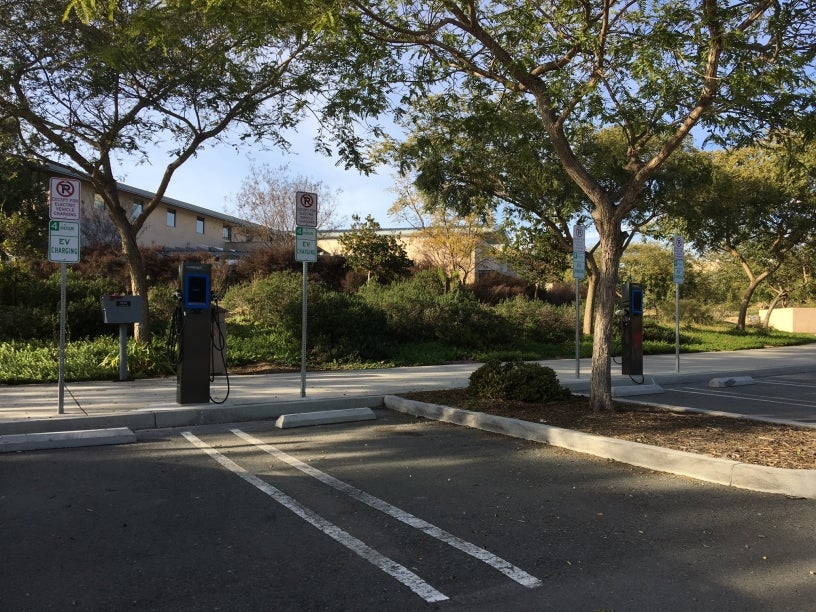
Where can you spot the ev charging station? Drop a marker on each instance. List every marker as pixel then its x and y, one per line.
pixel 632 329
pixel 193 329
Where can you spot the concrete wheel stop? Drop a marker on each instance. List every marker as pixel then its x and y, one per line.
pixel 324 417
pixel 66 439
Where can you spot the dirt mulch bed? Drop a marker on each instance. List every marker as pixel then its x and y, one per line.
pixel 741 440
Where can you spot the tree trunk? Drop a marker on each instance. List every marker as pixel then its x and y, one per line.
pixel 746 302
pixel 608 258
pixel 138 283
pixel 133 256
pixel 589 305
pixel 781 294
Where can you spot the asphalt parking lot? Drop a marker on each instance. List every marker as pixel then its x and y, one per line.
pixel 398 513
pixel 788 397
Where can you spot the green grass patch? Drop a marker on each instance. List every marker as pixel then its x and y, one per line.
pixel 98 359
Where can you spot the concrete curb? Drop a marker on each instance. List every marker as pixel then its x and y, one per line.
pixel 795 483
pixel 66 439
pixel 191 415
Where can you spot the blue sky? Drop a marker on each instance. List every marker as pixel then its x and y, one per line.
pixel 213 178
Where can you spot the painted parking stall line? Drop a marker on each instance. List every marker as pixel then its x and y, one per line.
pixel 505 567
pixel 783 383
pixel 389 566
pixel 745 396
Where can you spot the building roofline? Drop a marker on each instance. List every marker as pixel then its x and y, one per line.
pixel 72 172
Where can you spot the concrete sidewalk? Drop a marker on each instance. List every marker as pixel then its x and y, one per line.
pixel 151 403
pixel 98 412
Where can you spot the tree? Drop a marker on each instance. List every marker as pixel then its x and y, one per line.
pixel 455 245
pixel 474 153
pixel 267 198
pixel 366 248
pixel 534 253
pixel 23 205
pixel 792 283
pixel 99 84
pixel 653 71
pixel 760 207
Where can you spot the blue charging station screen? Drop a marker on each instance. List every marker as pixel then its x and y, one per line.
pixel 636 306
pixel 196 291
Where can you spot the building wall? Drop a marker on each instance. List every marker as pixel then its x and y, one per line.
pixel 185 232
pixel 194 227
pixel 416 251
pixel 799 320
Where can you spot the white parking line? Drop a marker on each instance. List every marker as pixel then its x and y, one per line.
pixel 505 567
pixel 788 384
pixel 755 398
pixel 389 566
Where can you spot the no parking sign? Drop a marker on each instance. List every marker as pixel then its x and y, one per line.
pixel 305 209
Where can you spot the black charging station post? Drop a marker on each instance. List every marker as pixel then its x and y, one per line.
pixel 632 329
pixel 194 334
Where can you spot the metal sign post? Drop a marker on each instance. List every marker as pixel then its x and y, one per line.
pixel 61 373
pixel 304 318
pixel 305 251
pixel 679 270
pixel 64 203
pixel 578 273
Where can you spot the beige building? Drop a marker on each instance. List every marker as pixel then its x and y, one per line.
pixel 477 263
pixel 173 224
pixel 182 226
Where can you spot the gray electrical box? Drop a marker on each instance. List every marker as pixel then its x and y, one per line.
pixel 122 309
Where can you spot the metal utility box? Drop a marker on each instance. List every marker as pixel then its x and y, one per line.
pixel 122 309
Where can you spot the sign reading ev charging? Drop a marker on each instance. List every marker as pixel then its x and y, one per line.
pixel 306 244
pixel 63 241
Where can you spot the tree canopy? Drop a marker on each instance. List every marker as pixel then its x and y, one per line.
pixel 366 248
pixel 759 207
pixel 654 70
pixel 267 197
pixel 97 85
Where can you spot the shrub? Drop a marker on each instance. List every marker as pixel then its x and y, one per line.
pixel 494 287
pixel 265 301
pixel 538 321
pixel 29 306
pixel 458 319
pixel 516 380
pixel 341 327
pixel 406 304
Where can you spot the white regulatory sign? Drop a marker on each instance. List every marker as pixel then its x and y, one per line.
pixel 63 241
pixel 305 209
pixel 579 239
pixel 65 197
pixel 306 244
pixel 679 247
pixel 679 271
